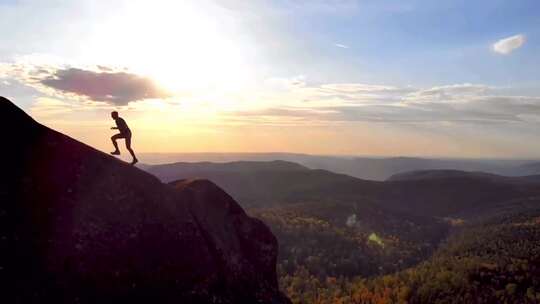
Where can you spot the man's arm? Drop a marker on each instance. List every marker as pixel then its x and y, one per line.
pixel 114 128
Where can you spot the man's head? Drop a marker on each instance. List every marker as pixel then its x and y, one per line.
pixel 114 115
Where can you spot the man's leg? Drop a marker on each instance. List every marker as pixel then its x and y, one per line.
pixel 128 147
pixel 113 139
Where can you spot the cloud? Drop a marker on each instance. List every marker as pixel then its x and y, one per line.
pixel 118 88
pixel 454 93
pixel 508 45
pixel 352 93
pixel 350 103
pixel 343 46
pixel 101 84
pixel 360 88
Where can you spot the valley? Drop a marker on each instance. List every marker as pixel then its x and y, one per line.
pixel 418 237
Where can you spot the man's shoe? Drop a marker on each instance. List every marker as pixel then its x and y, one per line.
pixel 115 153
pixel 134 161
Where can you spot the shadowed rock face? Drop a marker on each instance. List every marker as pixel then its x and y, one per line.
pixel 79 226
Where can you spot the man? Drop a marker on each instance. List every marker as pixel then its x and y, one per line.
pixel 125 133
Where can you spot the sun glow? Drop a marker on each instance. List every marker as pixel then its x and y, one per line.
pixel 186 48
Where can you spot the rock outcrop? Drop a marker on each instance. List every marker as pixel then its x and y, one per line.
pixel 79 226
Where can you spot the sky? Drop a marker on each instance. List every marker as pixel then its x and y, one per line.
pixel 447 78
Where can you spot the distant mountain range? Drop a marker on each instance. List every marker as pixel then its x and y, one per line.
pixel 439 193
pixel 370 168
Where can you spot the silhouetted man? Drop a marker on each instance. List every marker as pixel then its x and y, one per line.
pixel 125 133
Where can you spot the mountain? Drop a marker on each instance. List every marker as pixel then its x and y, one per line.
pixel 256 184
pixel 383 168
pixel 79 226
pixel 337 226
pixel 442 174
pixel 441 193
pixel 531 168
pixel 455 196
pixel 171 171
pixel 320 215
pixel 371 168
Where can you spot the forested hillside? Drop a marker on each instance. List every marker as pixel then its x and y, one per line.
pixel 441 236
pixel 492 260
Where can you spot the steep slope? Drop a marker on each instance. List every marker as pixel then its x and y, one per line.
pixel 78 226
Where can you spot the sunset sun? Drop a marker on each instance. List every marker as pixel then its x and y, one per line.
pixel 178 44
